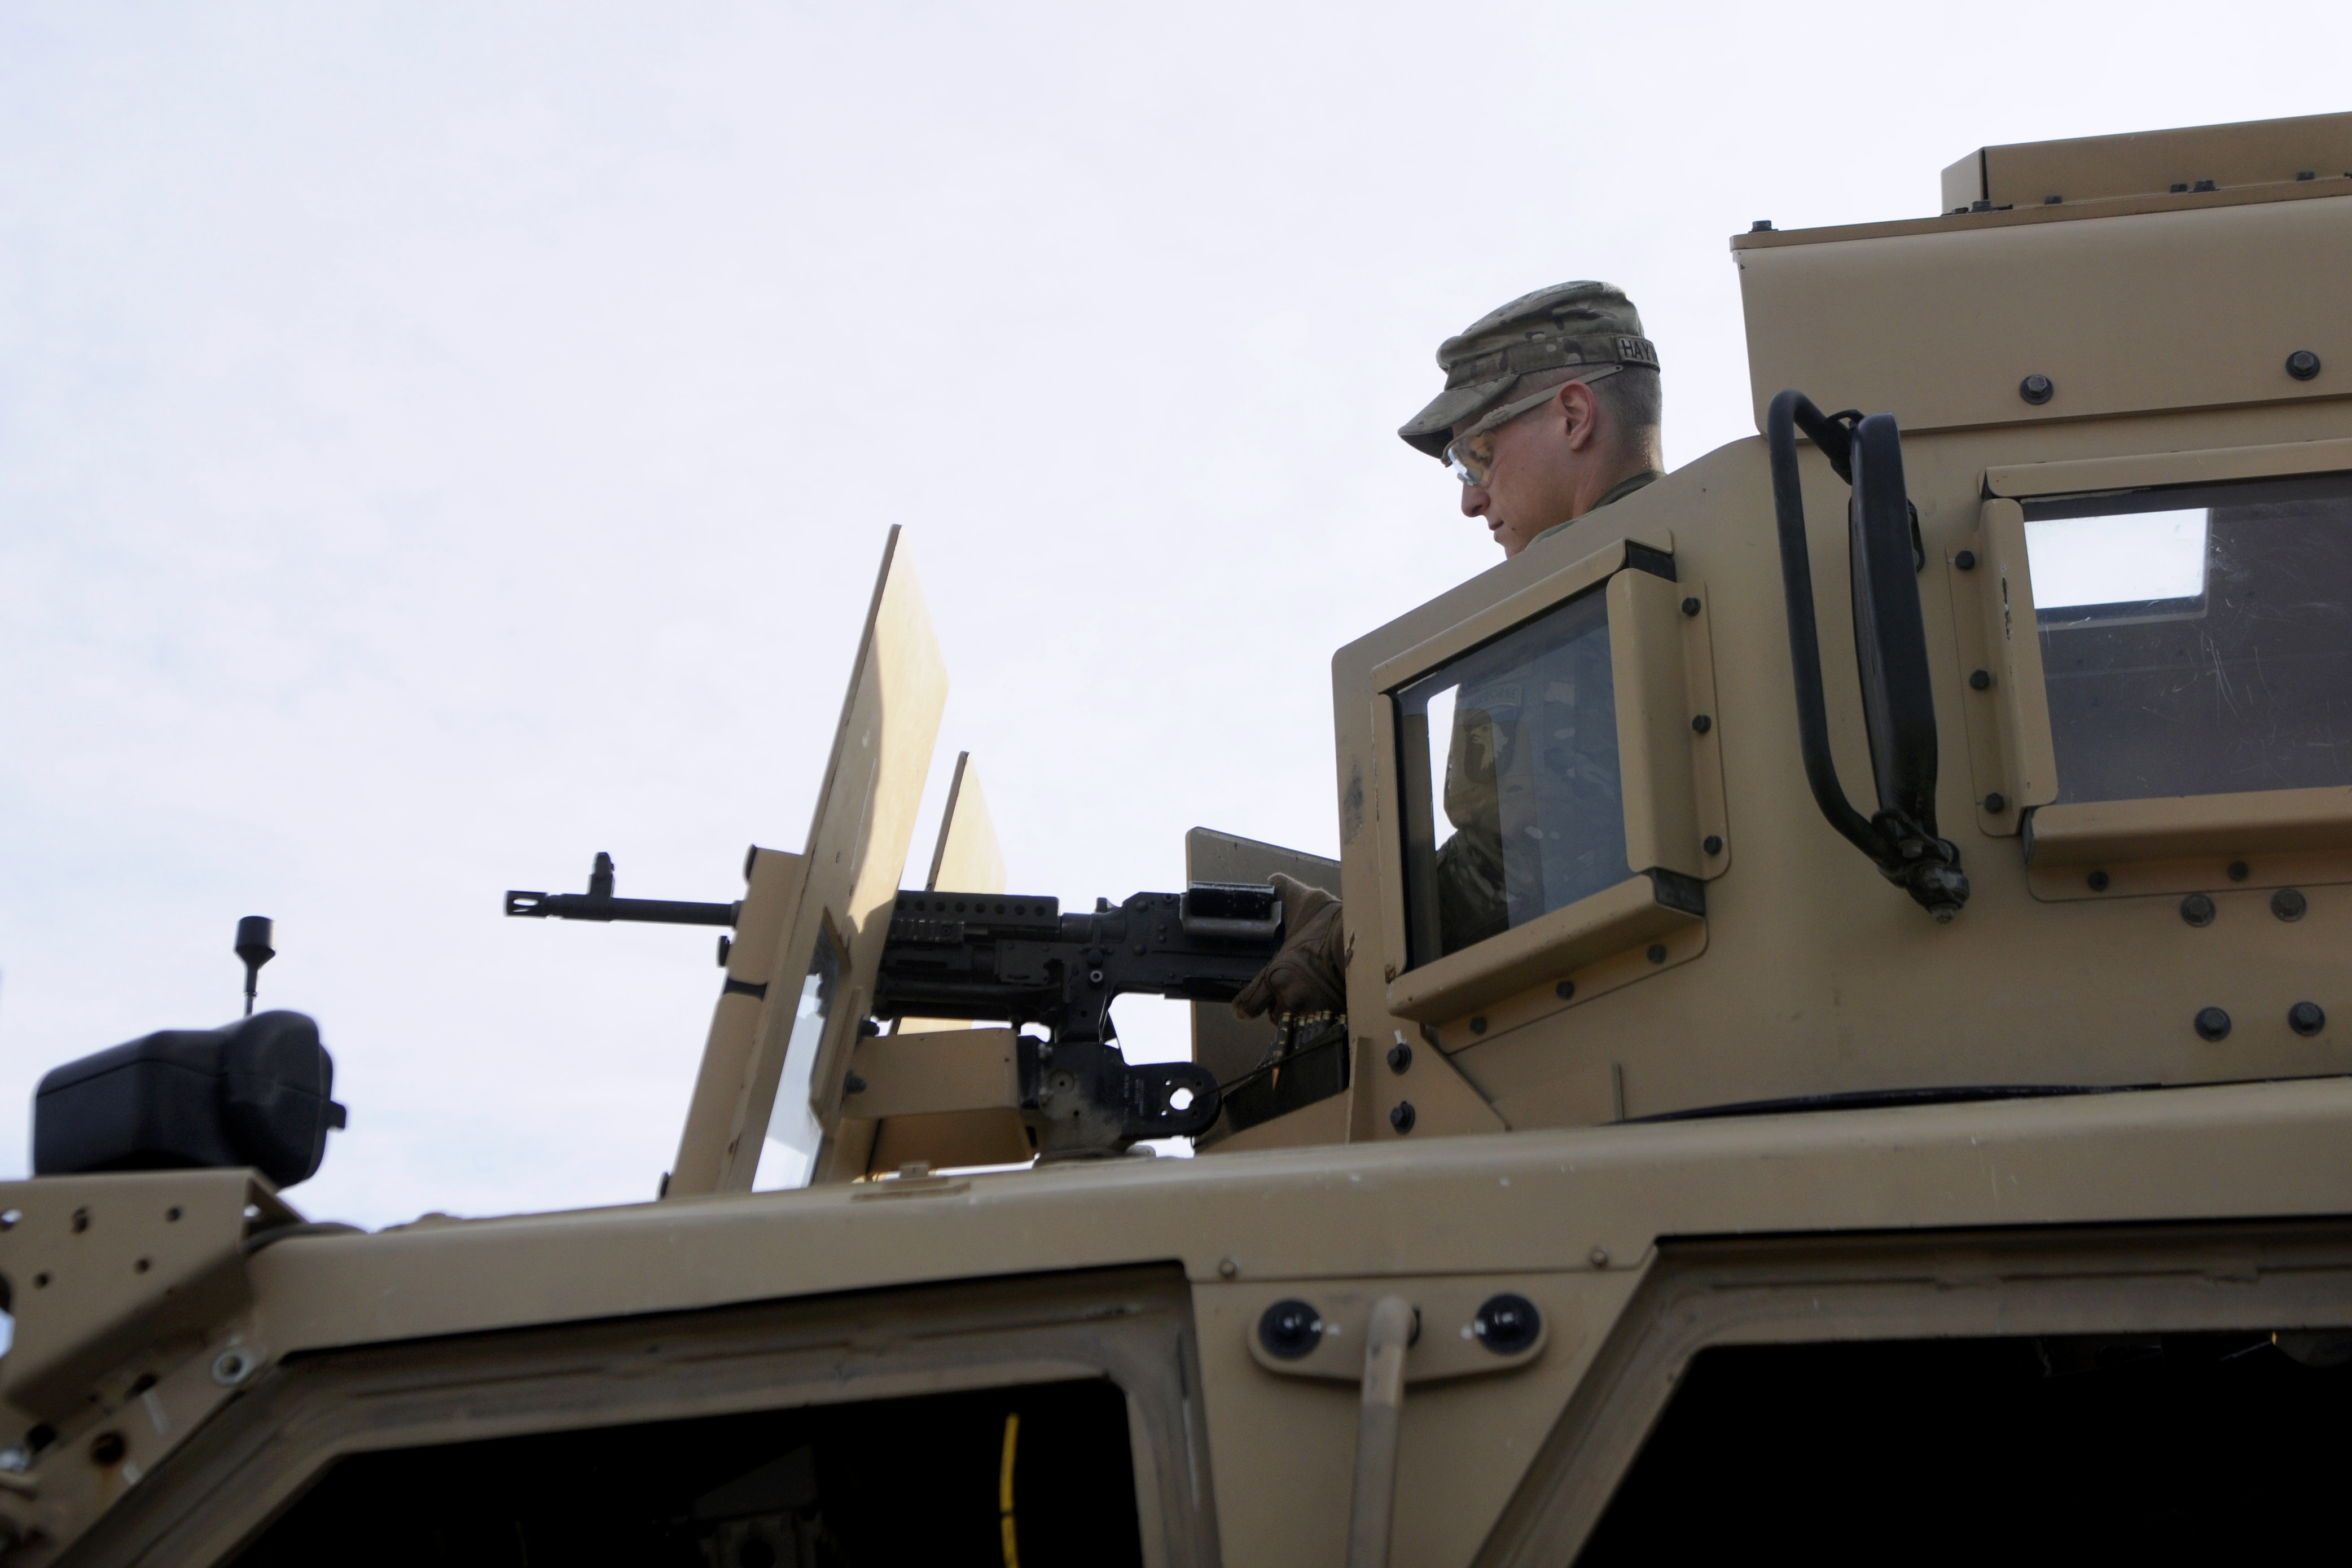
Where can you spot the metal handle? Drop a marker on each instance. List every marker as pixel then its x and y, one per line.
pixel 1387 1339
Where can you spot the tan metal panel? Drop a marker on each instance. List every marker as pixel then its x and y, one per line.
pixel 2141 163
pixel 967 858
pixel 1544 949
pixel 857 852
pixel 1939 328
pixel 774 879
pixel 2083 476
pixel 1653 724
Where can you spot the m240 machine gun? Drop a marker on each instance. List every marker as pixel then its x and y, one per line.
pixel 1022 961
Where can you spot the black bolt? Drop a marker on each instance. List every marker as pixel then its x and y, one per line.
pixel 1712 844
pixel 1400 1057
pixel 1657 953
pixel 1966 560
pixel 1979 680
pixel 1478 1026
pixel 2036 389
pixel 2202 186
pixel 725 946
pixel 2052 201
pixel 1289 1329
pixel 2238 870
pixel 1982 204
pixel 1401 1118
pixel 1690 606
pixel 2288 904
pixel 1564 990
pixel 1996 803
pixel 2181 189
pixel 2302 365
pixel 2212 1024
pixel 2098 881
pixel 108 1448
pixel 853 1084
pixel 868 1030
pixel 1093 976
pixel 1702 724
pixel 1761 227
pixel 2306 173
pixel 2197 909
pixel 2307 1018
pixel 1506 1324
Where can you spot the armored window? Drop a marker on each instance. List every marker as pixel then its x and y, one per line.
pixel 1558 803
pixel 2197 641
pixel 793 1132
pixel 2170 667
pixel 1513 803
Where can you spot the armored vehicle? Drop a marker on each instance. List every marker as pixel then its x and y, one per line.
pixel 1894 1104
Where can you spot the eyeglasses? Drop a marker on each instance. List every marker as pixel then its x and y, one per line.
pixel 1474 468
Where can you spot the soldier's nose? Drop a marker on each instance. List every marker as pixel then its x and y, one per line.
pixel 1474 500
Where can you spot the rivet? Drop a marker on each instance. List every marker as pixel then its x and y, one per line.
pixel 2197 909
pixel 2237 871
pixel 2037 388
pixel 1702 724
pixel 1712 844
pixel 108 1448
pixel 1478 1026
pixel 1690 606
pixel 231 1367
pixel 1657 952
pixel 1564 990
pixel 1966 560
pixel 2098 881
pixel 81 1220
pixel 2212 1024
pixel 2180 189
pixel 1400 1057
pixel 1982 204
pixel 1979 680
pixel 2288 904
pixel 2302 365
pixel 1403 1117
pixel 1996 803
pixel 2052 201
pixel 1600 1256
pixel 2202 186
pixel 1227 1268
pixel 2306 173
pixel 2307 1018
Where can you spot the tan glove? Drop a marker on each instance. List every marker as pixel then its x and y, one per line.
pixel 1310 974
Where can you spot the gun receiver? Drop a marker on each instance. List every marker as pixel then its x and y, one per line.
pixel 973 956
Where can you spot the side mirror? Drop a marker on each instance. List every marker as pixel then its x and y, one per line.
pixel 256 1092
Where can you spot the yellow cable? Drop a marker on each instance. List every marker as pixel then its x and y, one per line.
pixel 1004 1491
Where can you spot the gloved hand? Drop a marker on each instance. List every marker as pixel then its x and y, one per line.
pixel 1309 974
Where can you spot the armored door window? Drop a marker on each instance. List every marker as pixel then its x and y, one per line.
pixel 2196 641
pixel 1514 800
pixel 1558 804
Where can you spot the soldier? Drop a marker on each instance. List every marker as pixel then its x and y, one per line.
pixel 1551 411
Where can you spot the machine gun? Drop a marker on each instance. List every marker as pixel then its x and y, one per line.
pixel 969 956
pixel 999 957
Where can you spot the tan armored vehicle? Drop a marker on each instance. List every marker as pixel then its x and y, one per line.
pixel 1895 1104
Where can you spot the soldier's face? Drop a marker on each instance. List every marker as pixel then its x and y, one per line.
pixel 1528 486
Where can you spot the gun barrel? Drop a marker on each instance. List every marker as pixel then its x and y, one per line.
pixel 591 906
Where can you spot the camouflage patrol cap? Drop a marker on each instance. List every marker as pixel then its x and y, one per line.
pixel 1555 329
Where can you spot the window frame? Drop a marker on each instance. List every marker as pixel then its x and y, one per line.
pixel 2158 844
pixel 1670 777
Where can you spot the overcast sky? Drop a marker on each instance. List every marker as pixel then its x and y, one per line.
pixel 440 442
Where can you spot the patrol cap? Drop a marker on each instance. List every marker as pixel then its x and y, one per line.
pixel 1555 329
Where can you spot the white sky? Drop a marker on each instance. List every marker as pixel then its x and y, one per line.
pixel 440 442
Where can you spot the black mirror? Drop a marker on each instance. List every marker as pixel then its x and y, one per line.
pixel 256 1092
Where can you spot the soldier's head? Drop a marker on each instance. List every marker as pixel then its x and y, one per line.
pixel 1549 403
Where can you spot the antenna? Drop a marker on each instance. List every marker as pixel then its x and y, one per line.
pixel 254 934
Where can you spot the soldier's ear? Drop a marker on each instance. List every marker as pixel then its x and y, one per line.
pixel 1581 409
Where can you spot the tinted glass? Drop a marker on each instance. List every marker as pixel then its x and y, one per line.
pixel 1510 767
pixel 2196 641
